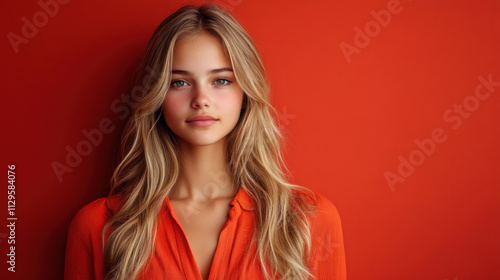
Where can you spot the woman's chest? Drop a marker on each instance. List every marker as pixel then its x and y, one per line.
pixel 205 243
pixel 202 228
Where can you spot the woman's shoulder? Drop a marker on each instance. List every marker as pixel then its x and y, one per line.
pixel 92 217
pixel 84 245
pixel 326 213
pixel 327 241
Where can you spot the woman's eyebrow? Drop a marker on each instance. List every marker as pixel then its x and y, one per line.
pixel 213 71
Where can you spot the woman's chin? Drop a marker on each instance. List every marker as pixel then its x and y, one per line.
pixel 202 141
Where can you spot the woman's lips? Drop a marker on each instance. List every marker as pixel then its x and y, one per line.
pixel 202 122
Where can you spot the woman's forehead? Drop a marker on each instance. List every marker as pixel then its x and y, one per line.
pixel 199 53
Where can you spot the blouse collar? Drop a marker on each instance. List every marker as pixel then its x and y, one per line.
pixel 243 199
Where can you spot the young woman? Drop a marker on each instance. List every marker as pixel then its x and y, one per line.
pixel 200 191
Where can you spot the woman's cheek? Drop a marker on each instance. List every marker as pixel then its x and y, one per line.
pixel 172 107
pixel 233 99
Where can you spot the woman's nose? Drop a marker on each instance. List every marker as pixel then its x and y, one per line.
pixel 201 97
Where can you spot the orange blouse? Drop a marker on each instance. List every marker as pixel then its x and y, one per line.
pixel 173 258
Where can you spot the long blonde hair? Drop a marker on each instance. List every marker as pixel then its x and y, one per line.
pixel 150 166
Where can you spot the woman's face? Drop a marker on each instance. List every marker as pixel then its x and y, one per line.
pixel 203 84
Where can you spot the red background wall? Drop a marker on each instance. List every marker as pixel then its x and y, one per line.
pixel 350 119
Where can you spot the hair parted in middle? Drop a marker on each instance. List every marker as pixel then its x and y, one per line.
pixel 150 162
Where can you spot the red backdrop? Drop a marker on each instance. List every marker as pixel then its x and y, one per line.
pixel 390 110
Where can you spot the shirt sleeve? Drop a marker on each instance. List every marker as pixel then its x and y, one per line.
pixel 327 242
pixel 83 242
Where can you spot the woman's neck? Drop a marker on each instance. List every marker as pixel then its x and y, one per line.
pixel 204 173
